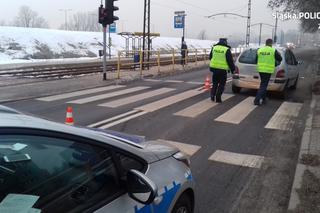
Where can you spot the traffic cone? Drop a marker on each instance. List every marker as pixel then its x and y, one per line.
pixel 69 117
pixel 207 84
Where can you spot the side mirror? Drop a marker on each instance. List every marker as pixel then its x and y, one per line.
pixel 140 187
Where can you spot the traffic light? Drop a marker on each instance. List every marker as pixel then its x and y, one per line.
pixel 102 14
pixel 110 11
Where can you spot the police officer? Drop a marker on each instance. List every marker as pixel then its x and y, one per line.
pixel 221 62
pixel 267 58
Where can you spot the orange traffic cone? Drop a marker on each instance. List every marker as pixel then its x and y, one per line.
pixel 69 117
pixel 207 84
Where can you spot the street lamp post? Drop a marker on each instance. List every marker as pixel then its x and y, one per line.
pixel 65 17
pixel 238 15
pixel 260 31
pixel 248 17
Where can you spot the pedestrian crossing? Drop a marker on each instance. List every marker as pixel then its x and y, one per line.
pixel 196 102
pixel 238 113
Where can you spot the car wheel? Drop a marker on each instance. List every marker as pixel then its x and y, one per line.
pixel 183 205
pixel 236 89
pixel 294 86
pixel 284 93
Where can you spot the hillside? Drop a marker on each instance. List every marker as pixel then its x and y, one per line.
pixel 30 44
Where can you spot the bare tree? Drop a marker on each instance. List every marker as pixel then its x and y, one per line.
pixel 29 18
pixel 83 22
pixel 202 35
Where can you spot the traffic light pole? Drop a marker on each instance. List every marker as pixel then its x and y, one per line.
pixel 104 52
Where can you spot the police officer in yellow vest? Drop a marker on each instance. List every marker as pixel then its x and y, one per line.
pixel 221 61
pixel 267 58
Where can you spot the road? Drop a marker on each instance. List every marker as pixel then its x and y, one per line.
pixel 243 160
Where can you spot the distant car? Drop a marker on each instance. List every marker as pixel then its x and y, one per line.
pixel 246 75
pixel 52 167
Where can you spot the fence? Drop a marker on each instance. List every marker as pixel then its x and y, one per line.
pixel 163 57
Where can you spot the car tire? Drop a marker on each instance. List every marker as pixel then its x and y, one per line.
pixel 236 89
pixel 183 205
pixel 284 93
pixel 294 86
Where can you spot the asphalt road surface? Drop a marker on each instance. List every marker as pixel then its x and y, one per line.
pixel 243 157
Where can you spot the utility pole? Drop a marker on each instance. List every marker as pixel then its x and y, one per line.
pixel 146 32
pixel 248 24
pixel 260 24
pixel 275 31
pixel 65 17
pixel 260 34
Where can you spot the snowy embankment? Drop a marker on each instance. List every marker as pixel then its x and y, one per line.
pixel 22 45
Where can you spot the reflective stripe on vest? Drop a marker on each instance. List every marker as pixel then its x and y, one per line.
pixel 219 58
pixel 266 60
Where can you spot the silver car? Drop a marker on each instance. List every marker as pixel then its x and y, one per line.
pixel 51 167
pixel 285 76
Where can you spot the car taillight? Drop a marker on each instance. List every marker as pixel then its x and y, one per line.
pixel 237 71
pixel 184 158
pixel 280 74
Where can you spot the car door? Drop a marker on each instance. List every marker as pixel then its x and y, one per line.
pixel 295 67
pixel 290 67
pixel 63 173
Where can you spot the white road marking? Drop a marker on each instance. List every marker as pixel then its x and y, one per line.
pixel 136 98
pixel 200 107
pixel 122 120
pixel 78 93
pixel 239 112
pixel 152 80
pixel 282 119
pixel 186 148
pixel 113 118
pixel 244 160
pixel 173 81
pixel 146 109
pixel 108 95
pixel 195 82
pixel 151 107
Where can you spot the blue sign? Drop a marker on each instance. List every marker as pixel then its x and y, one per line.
pixel 178 22
pixel 113 28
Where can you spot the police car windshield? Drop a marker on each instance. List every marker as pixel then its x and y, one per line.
pixel 249 56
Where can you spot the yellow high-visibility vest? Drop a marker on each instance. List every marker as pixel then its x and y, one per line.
pixel 266 60
pixel 219 59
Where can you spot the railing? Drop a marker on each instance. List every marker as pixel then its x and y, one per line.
pixel 160 58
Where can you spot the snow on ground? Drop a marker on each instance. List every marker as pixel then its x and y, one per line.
pixel 19 45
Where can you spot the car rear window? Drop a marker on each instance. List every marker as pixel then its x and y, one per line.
pixel 249 56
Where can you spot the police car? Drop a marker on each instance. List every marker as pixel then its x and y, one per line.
pixel 50 167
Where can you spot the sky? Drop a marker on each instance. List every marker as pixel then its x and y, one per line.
pixel 162 11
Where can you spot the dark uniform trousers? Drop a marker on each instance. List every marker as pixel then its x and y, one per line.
pixel 219 78
pixel 262 92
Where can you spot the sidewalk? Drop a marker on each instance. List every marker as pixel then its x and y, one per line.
pixel 13 89
pixel 305 193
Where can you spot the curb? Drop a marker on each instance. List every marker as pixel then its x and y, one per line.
pixel 300 169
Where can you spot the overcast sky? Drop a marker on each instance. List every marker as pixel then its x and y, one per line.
pixel 131 15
